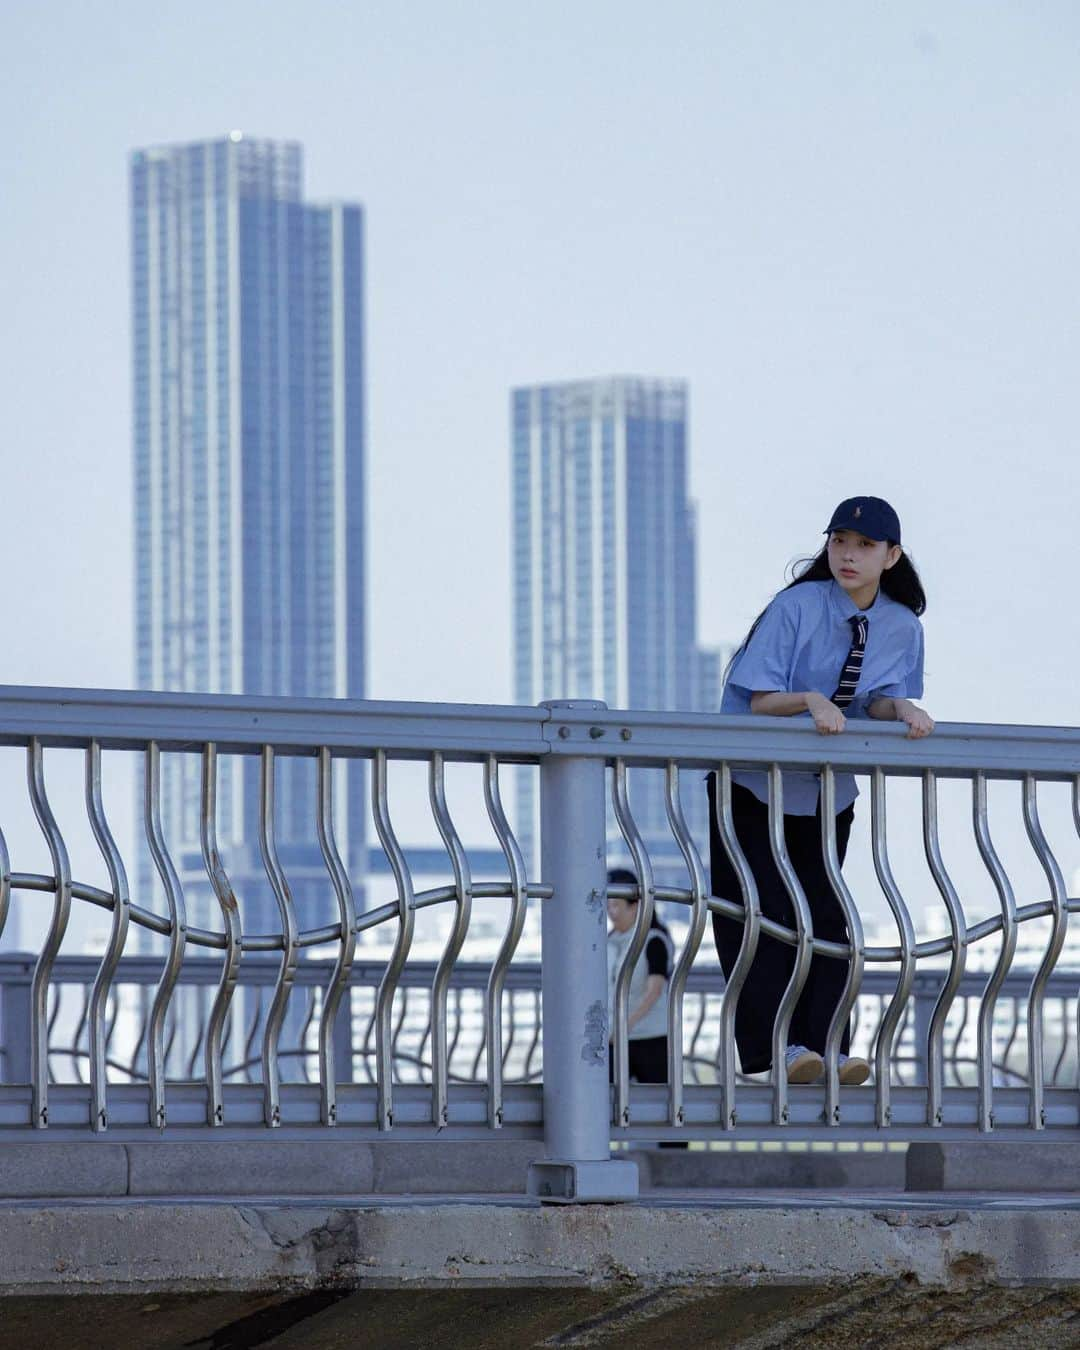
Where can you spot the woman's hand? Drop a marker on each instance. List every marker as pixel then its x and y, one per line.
pixel 919 722
pixel 828 718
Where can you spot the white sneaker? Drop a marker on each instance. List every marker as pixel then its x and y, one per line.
pixel 852 1070
pixel 803 1065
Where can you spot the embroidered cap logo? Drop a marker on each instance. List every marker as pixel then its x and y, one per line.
pixel 858 512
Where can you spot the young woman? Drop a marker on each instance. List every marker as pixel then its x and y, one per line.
pixel 647 1040
pixel 648 984
pixel 842 640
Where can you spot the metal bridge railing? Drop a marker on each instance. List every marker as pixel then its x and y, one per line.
pixel 128 1019
pixel 313 1044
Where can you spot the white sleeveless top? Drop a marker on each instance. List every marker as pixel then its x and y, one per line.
pixel 654 1023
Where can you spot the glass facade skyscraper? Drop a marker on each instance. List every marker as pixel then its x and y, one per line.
pixel 605 584
pixel 249 475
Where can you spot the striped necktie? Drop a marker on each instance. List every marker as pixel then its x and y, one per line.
pixel 849 676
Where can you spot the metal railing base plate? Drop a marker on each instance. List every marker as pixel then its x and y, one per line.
pixel 566 1183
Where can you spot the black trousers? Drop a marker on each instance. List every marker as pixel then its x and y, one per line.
pixel 648 1060
pixel 774 961
pixel 648 1064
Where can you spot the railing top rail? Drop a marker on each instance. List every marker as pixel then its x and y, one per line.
pixel 124 719
pixel 956 749
pixel 242 723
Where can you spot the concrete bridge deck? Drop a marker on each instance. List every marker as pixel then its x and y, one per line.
pixel 707 1267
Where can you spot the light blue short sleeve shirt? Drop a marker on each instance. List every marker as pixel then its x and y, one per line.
pixel 801 644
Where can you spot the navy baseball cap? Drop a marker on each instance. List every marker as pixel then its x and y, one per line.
pixel 870 516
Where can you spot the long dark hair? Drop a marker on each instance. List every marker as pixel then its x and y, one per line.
pixel 899 582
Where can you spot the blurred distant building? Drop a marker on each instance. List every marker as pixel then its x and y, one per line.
pixel 605 563
pixel 249 479
pixel 708 683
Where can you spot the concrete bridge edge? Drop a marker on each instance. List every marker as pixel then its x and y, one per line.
pixel 184 1246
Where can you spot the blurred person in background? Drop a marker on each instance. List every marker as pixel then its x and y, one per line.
pixel 648 1002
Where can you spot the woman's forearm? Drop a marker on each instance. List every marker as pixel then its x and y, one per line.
pixel 779 704
pixel 890 709
pixel 919 722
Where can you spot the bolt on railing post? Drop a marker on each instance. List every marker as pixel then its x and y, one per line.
pixel 577 1163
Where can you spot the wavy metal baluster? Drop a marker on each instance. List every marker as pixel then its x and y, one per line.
pixel 856 941
pixel 515 863
pixel 1059 1063
pixel 804 929
pixel 906 975
pixel 170 1040
pixel 512 1023
pixel 935 1061
pixel 643 921
pixel 338 986
pixel 157 1053
pixel 480 1052
pixel 725 822
pixel 366 1053
pixel 954 1060
pixel 5 883
pixel 1009 929
pixel 399 1027
pixel 279 1002
pixel 699 912
pixel 426 1036
pixel 459 1019
pixel 528 1071
pixel 54 999
pixel 39 990
pixel 695 1036
pixel 388 984
pixel 230 914
pixel 112 1013
pixel 301 1046
pixel 121 913
pixel 899 1065
pixel 1013 1033
pixel 1060 922
pixel 440 1105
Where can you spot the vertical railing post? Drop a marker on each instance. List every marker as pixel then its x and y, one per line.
pixel 577 1163
pixel 16 1016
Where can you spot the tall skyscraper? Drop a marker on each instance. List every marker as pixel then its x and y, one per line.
pixel 605 561
pixel 249 455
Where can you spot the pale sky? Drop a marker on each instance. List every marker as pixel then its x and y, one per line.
pixel 852 227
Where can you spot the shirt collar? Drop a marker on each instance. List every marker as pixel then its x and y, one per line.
pixel 844 607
